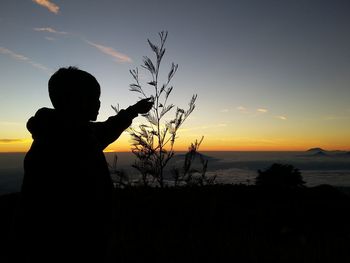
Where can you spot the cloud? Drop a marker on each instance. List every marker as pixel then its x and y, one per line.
pixel 224 110
pixel 50 30
pixel 119 57
pixel 20 57
pixel 283 118
pixel 39 66
pixel 242 109
pixel 12 54
pixel 10 140
pixel 49 5
pixel 262 110
pixel 334 117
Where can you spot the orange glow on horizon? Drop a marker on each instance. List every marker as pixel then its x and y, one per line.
pixel 123 145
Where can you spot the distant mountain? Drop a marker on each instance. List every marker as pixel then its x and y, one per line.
pixel 319 152
pixel 316 150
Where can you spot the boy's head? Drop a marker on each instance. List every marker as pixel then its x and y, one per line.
pixel 75 93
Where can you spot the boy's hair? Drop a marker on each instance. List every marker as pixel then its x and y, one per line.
pixel 71 82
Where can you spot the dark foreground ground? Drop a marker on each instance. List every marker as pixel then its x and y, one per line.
pixel 223 223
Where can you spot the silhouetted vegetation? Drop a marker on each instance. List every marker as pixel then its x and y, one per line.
pixel 120 178
pixel 280 175
pixel 223 223
pixel 153 142
pixel 188 174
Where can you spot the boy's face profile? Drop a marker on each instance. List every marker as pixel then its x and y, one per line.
pixel 89 106
pixel 84 106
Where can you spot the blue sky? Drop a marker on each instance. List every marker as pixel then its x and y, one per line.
pixel 268 74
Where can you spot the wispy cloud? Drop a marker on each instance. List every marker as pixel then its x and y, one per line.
pixel 12 54
pixel 242 109
pixel 119 57
pixel 21 57
pixel 262 110
pixel 50 30
pixel 10 140
pixel 116 55
pixel 224 110
pixel 280 117
pixel 39 66
pixel 52 7
pixel 335 117
pixel 259 112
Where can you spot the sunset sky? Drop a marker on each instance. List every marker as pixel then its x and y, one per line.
pixel 269 74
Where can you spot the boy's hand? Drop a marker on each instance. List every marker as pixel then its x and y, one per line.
pixel 143 106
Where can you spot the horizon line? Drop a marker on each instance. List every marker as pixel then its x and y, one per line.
pixel 123 151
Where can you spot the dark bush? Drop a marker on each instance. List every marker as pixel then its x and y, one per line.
pixel 280 175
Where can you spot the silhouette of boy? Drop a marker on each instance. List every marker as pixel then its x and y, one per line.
pixel 67 190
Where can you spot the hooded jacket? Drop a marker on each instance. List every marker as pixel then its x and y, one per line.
pixel 66 177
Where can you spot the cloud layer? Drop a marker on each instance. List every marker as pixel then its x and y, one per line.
pixel 119 57
pixel 259 112
pixel 12 54
pixel 283 118
pixel 116 55
pixel 49 29
pixel 20 57
pixel 52 7
pixel 262 110
pixel 242 109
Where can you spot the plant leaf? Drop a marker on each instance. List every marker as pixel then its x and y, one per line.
pixel 161 54
pixel 172 71
pixel 148 64
pixel 135 87
pixel 153 47
pixel 162 89
pixel 166 109
pixel 152 83
pixel 167 93
pixel 135 74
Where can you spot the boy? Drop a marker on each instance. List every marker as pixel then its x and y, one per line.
pixel 67 190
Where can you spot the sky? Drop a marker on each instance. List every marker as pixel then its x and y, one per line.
pixel 270 75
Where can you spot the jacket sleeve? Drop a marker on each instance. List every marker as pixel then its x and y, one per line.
pixel 108 131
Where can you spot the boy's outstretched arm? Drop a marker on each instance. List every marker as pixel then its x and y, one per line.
pixel 108 131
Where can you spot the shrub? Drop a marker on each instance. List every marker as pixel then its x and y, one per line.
pixel 280 175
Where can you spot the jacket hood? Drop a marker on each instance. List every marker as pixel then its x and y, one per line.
pixel 45 123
